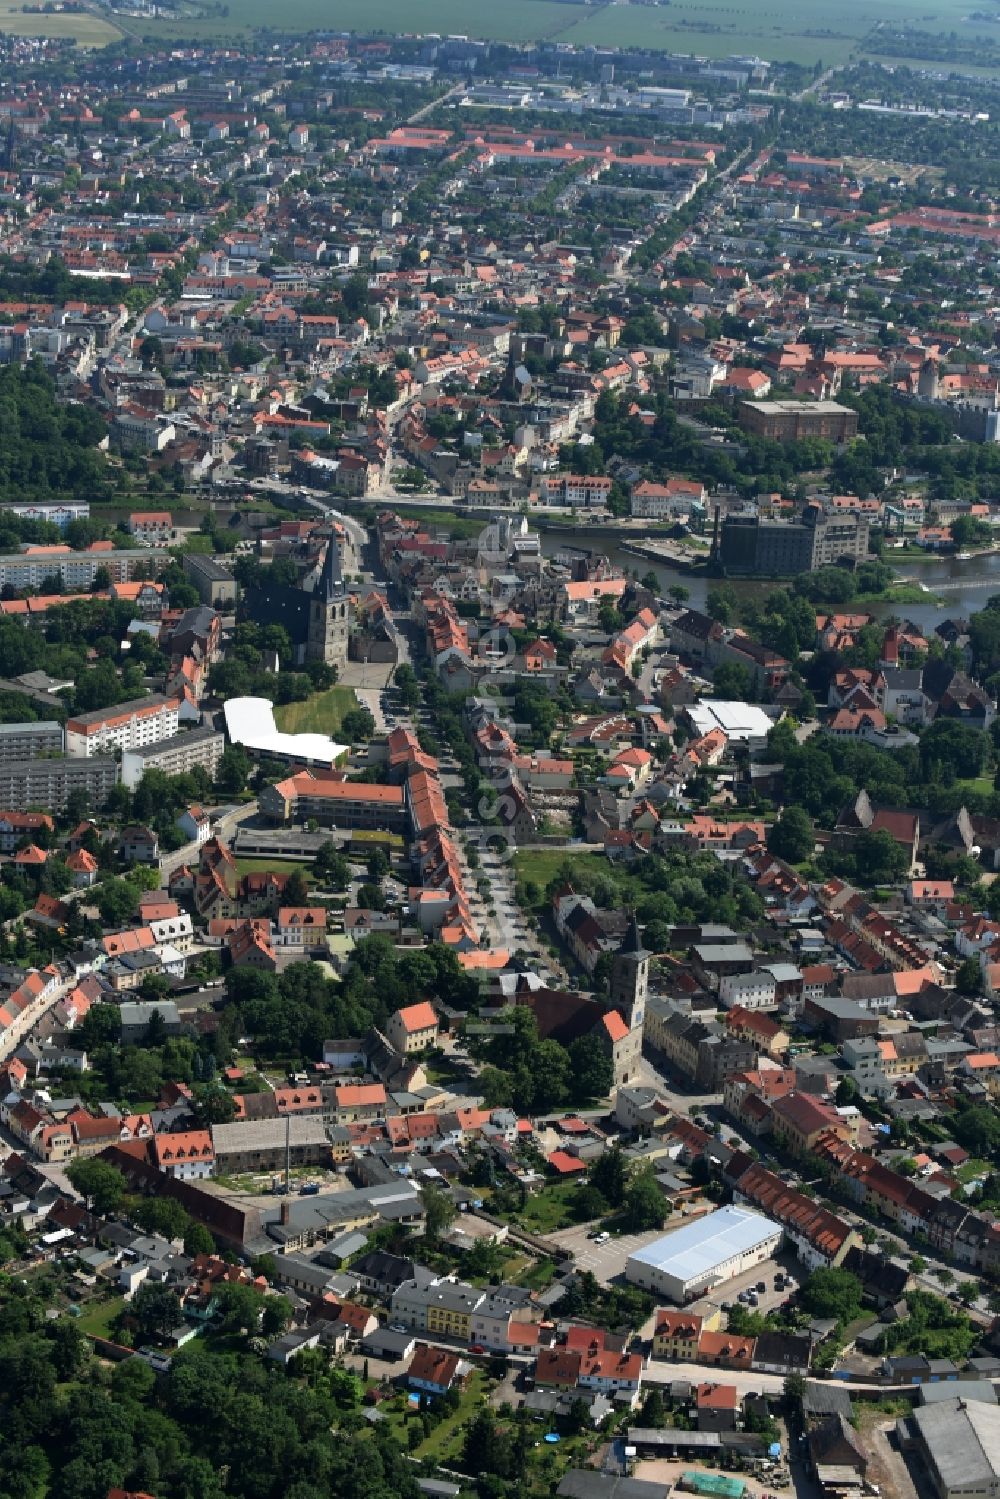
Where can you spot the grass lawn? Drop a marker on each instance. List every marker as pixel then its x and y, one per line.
pixel 98 1316
pixel 322 713
pixel 543 864
pixel 970 1170
pixel 549 1209
pixel 257 866
pixel 982 784
pixel 539 1276
pixel 447 520
pixel 445 1440
pixel 442 1072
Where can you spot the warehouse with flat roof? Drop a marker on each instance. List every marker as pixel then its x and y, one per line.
pixel 702 1255
pixel 959 1441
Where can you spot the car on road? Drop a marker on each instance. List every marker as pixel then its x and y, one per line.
pixel 602 1238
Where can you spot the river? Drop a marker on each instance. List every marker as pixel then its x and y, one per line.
pixel 965 586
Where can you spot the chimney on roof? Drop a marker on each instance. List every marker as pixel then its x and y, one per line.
pixel 286 1212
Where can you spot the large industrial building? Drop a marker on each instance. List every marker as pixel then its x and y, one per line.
pixel 959 1441
pixel 694 1259
pixel 749 545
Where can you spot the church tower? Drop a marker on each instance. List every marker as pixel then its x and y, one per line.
pixel 624 1020
pixel 329 618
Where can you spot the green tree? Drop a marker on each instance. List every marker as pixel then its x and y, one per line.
pixel 98 1181
pixel 733 682
pixel 968 978
pixel 330 867
pixel 591 1070
pixel 439 1211
pixel 155 1308
pixel 645 1205
pixel 296 891
pixel 213 1105
pixel 198 1240
pixel 832 1293
pixel 792 837
pixel 162 1215
pixel 609 1174
pixel 276 1315
pixel 240 1307
pixel 233 770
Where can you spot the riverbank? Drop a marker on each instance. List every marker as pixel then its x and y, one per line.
pixel 904 592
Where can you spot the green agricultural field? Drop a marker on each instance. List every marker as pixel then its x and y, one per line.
pixel 87 29
pixel 782 30
pixel 322 713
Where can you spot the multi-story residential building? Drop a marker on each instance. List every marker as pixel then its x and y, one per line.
pixel 617 1375
pixel 579 491
pixel 676 1334
pixel 450 1307
pixel 800 1119
pixel 174 755
pixel 750 991
pixel 141 722
pixel 151 526
pixel 444 1307
pixel 48 783
pixel 300 927
pixel 140 431
pixel 59 514
pixel 23 741
pixel 186 1156
pixel 863 1055
pixel 16 826
pixel 677 497
pixel 413 1028
pixel 75 570
pixel 820 1239
pixel 358 1103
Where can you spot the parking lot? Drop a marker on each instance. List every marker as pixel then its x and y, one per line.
pixel 604 1261
pixel 768 1299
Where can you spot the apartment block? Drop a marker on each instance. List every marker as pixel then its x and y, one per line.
pixel 75 570
pixel 126 726
pixel 48 782
pixel 24 741
pixel 175 755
